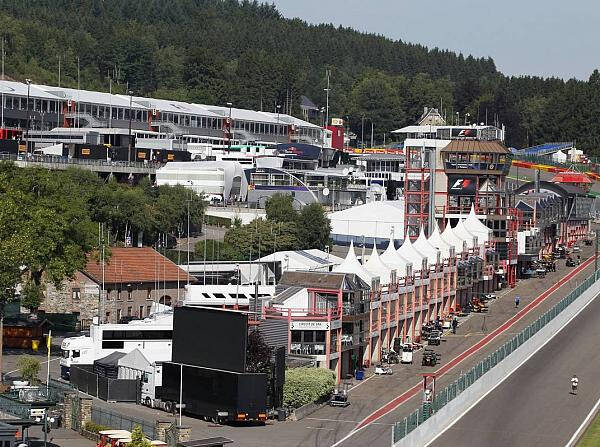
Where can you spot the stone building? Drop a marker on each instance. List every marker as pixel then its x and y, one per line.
pixel 134 278
pixel 78 296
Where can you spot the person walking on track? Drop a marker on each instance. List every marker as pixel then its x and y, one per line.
pixel 517 301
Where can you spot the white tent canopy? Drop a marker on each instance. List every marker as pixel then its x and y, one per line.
pixel 422 245
pixel 377 267
pixel 436 240
pixel 410 253
pixel 478 228
pixel 394 260
pixel 461 231
pixel 452 239
pixel 371 220
pixel 351 265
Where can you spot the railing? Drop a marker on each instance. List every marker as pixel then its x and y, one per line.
pixel 79 161
pixel 119 421
pixel 425 411
pixel 302 313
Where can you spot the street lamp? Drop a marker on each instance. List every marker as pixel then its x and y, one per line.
pixel 188 236
pixel 278 109
pixel 237 283
pixel 28 117
pixel 457 121
pixel 229 125
pixel 467 115
pixel 130 93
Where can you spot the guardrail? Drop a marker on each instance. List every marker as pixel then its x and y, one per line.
pixel 79 161
pixel 442 398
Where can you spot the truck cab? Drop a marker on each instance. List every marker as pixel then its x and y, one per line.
pixel 75 351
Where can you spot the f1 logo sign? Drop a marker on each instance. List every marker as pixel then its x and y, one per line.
pixel 461 183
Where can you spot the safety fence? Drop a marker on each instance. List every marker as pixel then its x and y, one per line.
pixel 118 421
pixel 441 399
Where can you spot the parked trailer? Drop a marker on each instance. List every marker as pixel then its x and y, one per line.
pixel 213 394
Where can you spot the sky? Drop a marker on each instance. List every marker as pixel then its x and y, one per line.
pixel 524 37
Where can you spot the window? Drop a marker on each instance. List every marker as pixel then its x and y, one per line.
pixel 141 311
pixel 129 309
pixel 148 293
pixel 112 345
pixel 320 336
pixel 296 336
pixel 148 310
pixel 119 314
pixel 76 294
pixel 309 336
pixel 119 295
pixel 76 353
pixel 129 295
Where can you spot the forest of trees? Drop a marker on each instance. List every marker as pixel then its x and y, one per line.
pixel 245 52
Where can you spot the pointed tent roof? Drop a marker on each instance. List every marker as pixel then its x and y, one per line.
pixel 436 240
pixel 351 265
pixel 452 239
pixel 410 253
pixel 377 267
pixel 424 246
pixel 392 259
pixel 478 228
pixel 461 231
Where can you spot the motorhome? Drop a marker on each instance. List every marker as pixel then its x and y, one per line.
pixel 152 336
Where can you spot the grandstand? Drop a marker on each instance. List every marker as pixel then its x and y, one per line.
pixel 546 148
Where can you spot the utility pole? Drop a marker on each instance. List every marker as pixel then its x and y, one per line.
pixel 2 121
pixel 372 130
pixel 327 104
pixel 27 130
pixel 596 252
pixel 130 145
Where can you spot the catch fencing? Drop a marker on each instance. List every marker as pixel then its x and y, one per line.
pixel 442 398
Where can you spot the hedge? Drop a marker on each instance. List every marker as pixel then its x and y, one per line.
pixel 306 385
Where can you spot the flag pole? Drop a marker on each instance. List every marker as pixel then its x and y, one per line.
pixel 48 345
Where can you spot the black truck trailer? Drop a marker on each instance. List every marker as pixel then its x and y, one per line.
pixel 213 394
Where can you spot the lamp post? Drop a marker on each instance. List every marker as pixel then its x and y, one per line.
pixel 457 121
pixel 130 93
pixel 278 109
pixel 28 117
pixel 327 103
pixel 188 237
pixel 229 125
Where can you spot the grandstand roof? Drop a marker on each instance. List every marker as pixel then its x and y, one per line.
pixel 546 148
pixel 20 89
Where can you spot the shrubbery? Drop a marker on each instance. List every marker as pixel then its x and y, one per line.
pixel 306 385
pixel 92 427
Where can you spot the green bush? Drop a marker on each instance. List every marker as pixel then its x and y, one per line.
pixel 94 428
pixel 306 385
pixel 29 367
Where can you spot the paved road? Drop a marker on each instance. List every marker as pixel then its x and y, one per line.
pixel 328 425
pixel 534 407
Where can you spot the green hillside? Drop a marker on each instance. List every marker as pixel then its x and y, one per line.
pixel 219 51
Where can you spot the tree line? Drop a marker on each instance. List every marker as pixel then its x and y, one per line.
pixel 50 223
pixel 284 228
pixel 245 52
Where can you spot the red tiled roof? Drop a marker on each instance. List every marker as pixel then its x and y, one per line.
pixel 571 177
pixel 127 265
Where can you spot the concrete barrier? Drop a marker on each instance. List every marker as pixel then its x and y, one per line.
pixel 441 421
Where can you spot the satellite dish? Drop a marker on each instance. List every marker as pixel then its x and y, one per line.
pixel 325 192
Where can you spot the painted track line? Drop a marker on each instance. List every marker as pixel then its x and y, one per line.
pixel 396 402
pixel 575 438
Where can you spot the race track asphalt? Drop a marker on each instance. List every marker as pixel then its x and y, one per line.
pixel 534 406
